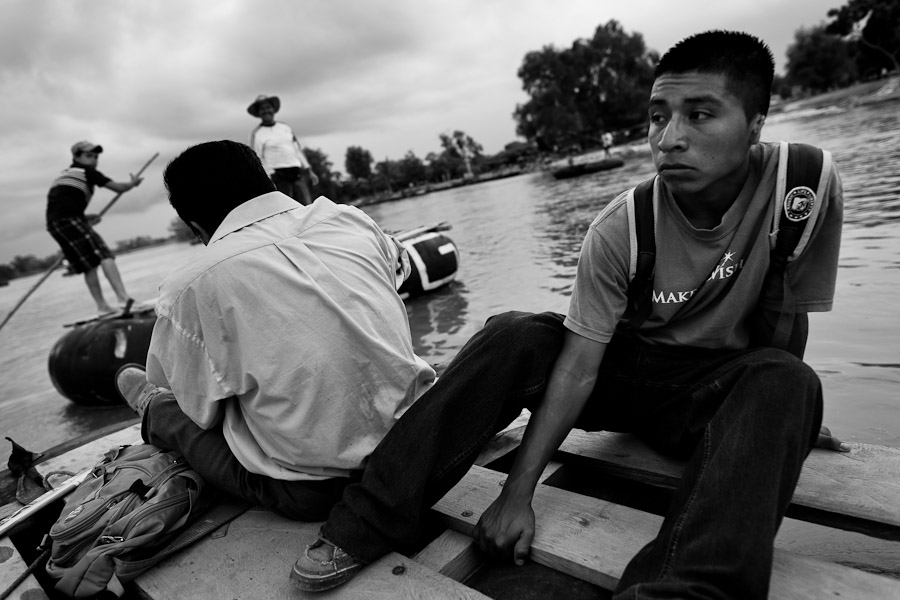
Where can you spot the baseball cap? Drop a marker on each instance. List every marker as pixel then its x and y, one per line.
pixel 86 146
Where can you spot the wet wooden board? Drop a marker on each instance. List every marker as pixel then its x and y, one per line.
pixel 594 539
pixel 81 458
pixel 578 535
pixel 254 558
pixel 11 566
pixel 11 562
pixel 857 490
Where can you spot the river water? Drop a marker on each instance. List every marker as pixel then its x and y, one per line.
pixel 519 240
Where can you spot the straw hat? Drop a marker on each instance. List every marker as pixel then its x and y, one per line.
pixel 253 109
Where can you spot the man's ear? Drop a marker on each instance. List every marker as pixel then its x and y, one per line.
pixel 756 128
pixel 200 232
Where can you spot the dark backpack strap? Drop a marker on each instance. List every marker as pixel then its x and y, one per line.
pixel 804 166
pixel 797 200
pixel 640 289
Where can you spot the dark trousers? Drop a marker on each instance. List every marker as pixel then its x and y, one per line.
pixel 745 421
pixel 166 426
pixel 293 182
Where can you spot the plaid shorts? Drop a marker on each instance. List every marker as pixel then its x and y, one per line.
pixel 80 244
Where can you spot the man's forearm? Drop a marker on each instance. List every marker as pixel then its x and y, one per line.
pixel 571 383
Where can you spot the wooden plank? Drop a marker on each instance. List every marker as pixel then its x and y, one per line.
pixel 593 540
pixel 84 457
pixel 456 555
pixel 11 566
pixel 89 454
pixel 856 490
pixel 453 555
pixel 254 559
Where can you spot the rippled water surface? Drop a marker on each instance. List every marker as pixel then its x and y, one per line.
pixel 519 239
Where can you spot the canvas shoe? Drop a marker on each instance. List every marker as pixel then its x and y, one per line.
pixel 136 391
pixel 324 566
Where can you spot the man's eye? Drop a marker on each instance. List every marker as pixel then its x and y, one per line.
pixel 657 118
pixel 700 115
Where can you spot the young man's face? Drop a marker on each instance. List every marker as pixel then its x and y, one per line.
pixel 88 159
pixel 266 112
pixel 699 133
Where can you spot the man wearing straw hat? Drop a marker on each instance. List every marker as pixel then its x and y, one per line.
pixel 72 229
pixel 280 151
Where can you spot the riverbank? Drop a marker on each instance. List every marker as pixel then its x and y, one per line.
pixel 427 188
pixel 867 92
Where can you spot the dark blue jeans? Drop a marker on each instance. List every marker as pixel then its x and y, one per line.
pixel 745 421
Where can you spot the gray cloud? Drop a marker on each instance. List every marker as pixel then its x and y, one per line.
pixel 157 76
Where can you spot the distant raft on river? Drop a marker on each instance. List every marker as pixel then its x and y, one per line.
pixel 576 169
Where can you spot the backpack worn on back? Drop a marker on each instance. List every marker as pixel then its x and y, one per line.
pixel 802 169
pixel 134 502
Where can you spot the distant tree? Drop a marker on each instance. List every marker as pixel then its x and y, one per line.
pixel 819 61
pixel 875 26
pixel 438 166
pixel 329 182
pixel 387 172
pixel 445 165
pixel 460 146
pixel 576 94
pixel 358 163
pixel 781 86
pixel 460 142
pixel 411 170
pixel 25 264
pixel 180 232
pixel 513 153
pixel 7 273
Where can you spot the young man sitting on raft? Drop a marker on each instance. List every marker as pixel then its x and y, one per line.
pixel 701 377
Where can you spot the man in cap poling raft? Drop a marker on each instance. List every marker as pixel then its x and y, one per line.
pixel 73 230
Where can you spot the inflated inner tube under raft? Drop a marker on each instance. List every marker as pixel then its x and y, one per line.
pixel 84 361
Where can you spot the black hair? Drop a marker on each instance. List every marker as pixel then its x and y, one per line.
pixel 744 60
pixel 207 181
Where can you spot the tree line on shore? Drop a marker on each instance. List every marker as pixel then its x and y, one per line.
pixel 860 41
pixel 576 94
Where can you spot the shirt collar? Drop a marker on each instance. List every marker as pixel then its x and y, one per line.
pixel 252 211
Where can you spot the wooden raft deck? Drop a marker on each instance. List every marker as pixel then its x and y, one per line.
pixel 585 537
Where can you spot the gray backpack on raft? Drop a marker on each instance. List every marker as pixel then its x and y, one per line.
pixel 135 501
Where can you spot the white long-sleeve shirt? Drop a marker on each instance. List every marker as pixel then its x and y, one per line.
pixel 288 333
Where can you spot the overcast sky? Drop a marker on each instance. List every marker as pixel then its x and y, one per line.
pixel 148 76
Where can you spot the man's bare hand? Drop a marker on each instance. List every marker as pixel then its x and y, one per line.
pixel 829 442
pixel 506 528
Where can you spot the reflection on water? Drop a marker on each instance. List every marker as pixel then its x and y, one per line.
pixel 435 319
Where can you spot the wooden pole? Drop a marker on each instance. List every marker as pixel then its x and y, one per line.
pixel 60 259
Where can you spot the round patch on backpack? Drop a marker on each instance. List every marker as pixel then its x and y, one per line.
pixel 798 203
